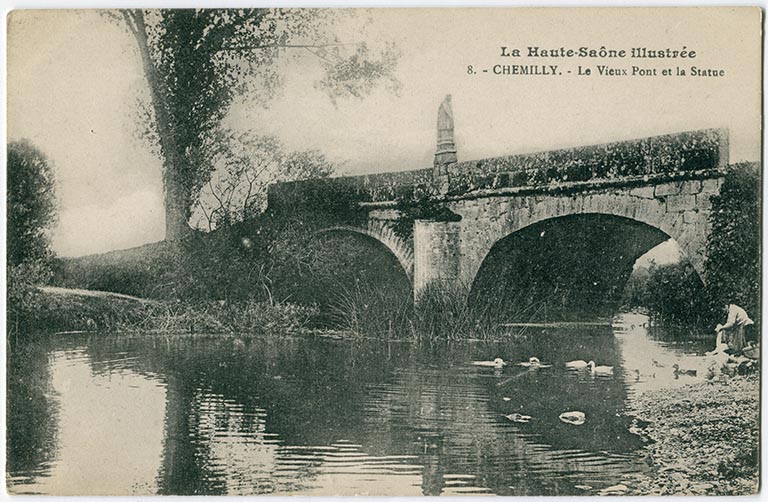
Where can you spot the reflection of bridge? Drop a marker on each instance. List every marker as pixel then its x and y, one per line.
pixel 647 190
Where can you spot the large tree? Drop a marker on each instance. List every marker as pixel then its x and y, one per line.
pixel 31 204
pixel 197 61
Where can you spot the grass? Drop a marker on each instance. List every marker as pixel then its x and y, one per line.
pixel 45 311
pixel 242 317
pixel 441 313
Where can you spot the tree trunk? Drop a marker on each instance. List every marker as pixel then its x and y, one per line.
pixel 175 193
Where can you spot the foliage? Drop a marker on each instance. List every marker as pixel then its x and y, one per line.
pixel 733 248
pixel 324 268
pixel 219 266
pixel 24 300
pixel 417 202
pixel 674 154
pixel 148 271
pixel 32 310
pixel 242 317
pixel 332 201
pixel 673 293
pixel 442 313
pixel 198 61
pixel 108 313
pixel 233 264
pixel 268 258
pixel 246 165
pixel 31 203
pixel 31 213
pixel 372 310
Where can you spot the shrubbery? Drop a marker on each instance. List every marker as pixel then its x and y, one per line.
pixel 24 300
pixel 732 269
pixel 416 202
pixel 672 292
pixel 270 263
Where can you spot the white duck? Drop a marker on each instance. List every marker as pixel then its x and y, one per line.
pixel 519 418
pixel 496 363
pixel 573 417
pixel 533 362
pixel 576 365
pixel 600 370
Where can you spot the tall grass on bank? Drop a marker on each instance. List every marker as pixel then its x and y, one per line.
pixel 242 317
pixel 441 313
pixel 43 312
pixel 371 310
pixel 444 313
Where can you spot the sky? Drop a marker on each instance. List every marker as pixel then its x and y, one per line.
pixel 74 80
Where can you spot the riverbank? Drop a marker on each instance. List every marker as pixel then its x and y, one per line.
pixel 53 310
pixel 706 438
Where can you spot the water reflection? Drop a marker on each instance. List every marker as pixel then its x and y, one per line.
pixel 109 430
pixel 219 415
pixel 32 414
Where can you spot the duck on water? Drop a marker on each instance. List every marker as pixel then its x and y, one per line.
pixel 496 363
pixel 599 370
pixel 534 362
pixel 576 365
pixel 593 368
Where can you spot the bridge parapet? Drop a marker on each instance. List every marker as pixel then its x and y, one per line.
pixel 668 156
pixel 378 187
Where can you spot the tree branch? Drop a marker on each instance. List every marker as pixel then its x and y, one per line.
pixel 209 218
pixel 248 47
pixel 221 203
pixel 129 22
pixel 318 55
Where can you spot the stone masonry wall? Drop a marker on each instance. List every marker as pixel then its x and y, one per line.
pixel 678 208
pixel 671 154
pixel 667 154
pixel 437 256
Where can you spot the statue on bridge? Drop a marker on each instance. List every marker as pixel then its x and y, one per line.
pixel 446 148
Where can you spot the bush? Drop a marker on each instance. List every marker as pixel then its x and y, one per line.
pixel 31 212
pixel 24 299
pixel 417 202
pixel 672 292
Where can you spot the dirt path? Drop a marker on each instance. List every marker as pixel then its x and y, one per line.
pixel 54 290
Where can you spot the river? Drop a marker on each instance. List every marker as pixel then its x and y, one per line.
pixel 149 414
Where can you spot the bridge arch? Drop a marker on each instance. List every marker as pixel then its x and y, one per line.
pixel 688 226
pixel 582 260
pixel 382 233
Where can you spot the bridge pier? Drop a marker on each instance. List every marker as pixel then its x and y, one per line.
pixel 437 260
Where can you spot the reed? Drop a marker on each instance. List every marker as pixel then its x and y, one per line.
pixel 110 314
pixel 441 313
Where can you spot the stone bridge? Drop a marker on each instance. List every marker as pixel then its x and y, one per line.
pixel 595 208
